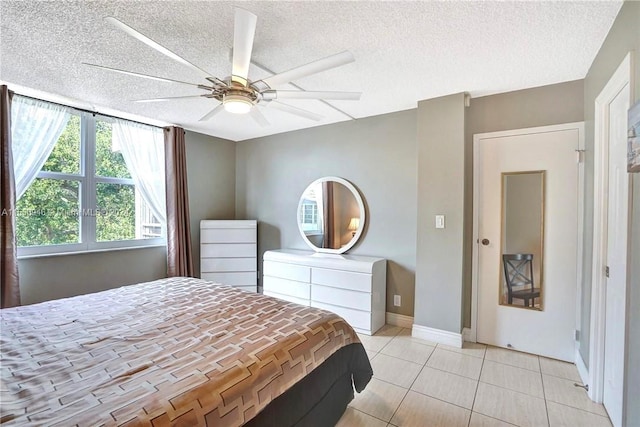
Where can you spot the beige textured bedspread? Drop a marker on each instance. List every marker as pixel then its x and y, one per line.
pixel 170 352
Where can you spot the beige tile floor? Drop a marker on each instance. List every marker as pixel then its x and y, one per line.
pixel 423 384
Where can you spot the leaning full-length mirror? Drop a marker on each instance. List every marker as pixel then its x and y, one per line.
pixel 331 215
pixel 522 243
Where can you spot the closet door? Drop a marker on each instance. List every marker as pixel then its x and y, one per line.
pixel 526 203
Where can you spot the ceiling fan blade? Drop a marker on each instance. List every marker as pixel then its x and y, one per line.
pixel 311 68
pixel 267 70
pixel 259 117
pixel 170 98
pixel 301 94
pixel 294 110
pixel 145 76
pixel 211 113
pixel 146 40
pixel 243 32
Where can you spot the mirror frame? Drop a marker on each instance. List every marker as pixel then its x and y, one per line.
pixel 361 226
pixel 543 179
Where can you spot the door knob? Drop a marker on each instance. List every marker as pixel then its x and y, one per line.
pixel 485 242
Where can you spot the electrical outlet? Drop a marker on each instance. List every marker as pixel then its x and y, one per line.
pixel 397 301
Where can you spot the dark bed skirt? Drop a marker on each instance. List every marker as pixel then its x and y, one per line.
pixel 320 398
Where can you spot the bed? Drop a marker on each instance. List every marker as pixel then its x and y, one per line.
pixel 179 352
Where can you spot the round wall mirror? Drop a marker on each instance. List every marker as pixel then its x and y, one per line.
pixel 331 215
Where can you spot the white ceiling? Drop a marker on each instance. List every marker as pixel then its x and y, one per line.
pixel 405 52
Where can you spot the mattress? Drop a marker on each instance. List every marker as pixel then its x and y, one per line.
pixel 178 351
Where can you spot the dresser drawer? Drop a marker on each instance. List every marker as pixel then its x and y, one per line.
pixel 208 265
pixel 224 250
pixel 341 279
pixel 356 318
pixel 289 298
pixel 341 297
pixel 286 287
pixel 232 278
pixel 228 235
pixel 299 273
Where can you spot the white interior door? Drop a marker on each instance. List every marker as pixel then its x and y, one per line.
pixel 550 331
pixel 616 282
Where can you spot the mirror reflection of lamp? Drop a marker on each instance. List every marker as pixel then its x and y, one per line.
pixel 354 224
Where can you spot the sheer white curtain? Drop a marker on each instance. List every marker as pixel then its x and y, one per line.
pixel 143 151
pixel 35 129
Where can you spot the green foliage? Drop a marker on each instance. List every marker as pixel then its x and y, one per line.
pixel 47 213
pixel 115 219
pixel 108 162
pixel 50 212
pixel 65 156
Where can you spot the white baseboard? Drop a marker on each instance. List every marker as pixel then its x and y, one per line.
pixel 399 320
pixel 437 335
pixel 582 368
pixel 466 334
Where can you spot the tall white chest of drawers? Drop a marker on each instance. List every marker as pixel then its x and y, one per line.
pixel 351 286
pixel 228 252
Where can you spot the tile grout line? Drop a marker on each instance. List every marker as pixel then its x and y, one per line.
pixel 405 395
pixel 366 413
pixel 477 386
pixel 451 373
pixel 411 385
pixel 544 393
pixel 484 358
pixel 406 360
pixel 378 352
pixel 459 352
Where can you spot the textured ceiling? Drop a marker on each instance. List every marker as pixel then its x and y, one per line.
pixel 405 52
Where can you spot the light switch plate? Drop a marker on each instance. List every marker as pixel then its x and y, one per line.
pixel 439 221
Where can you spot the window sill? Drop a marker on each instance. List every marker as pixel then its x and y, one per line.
pixel 90 251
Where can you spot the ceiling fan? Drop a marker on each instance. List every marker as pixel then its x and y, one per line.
pixel 236 93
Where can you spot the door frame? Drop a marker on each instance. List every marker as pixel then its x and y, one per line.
pixel 621 77
pixel 579 126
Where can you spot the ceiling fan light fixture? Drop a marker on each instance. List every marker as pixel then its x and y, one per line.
pixel 237 104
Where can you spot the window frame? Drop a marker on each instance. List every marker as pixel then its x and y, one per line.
pixel 87 200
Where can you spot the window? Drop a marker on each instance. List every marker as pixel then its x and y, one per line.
pixel 309 215
pixel 85 197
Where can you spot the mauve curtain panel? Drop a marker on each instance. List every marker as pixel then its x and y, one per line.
pixel 329 216
pixel 179 255
pixel 8 245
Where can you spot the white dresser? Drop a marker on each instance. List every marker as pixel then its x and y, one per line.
pixel 228 253
pixel 351 286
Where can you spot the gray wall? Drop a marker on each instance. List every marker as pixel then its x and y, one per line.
pixel 623 37
pixel 376 154
pixel 211 178
pixel 211 174
pixel 439 252
pixel 540 106
pixel 53 277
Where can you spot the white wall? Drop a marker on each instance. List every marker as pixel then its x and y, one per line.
pixel 623 37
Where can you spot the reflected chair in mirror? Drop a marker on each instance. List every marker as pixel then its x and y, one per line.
pixel 518 273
